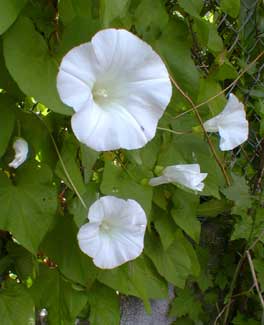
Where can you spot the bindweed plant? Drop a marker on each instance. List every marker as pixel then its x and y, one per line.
pixel 131 159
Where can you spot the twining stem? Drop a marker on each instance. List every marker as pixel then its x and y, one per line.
pixel 63 165
pixel 171 131
pixel 254 276
pixel 220 164
pixel 239 265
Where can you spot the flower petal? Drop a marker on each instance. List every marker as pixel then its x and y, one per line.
pixel 115 233
pixel 233 137
pixel 119 248
pixel 89 240
pixel 77 75
pixel 231 124
pixel 108 129
pixel 187 175
pixel 155 181
pixel 21 152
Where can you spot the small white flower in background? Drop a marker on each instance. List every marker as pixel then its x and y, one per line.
pixel 114 233
pixel 188 175
pixel 21 151
pixel 231 124
pixel 118 87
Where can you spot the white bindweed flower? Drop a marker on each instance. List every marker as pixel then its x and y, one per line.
pixel 231 124
pixel 21 151
pixel 114 233
pixel 188 175
pixel 118 87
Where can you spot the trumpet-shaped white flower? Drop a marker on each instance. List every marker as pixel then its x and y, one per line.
pixel 114 233
pixel 118 87
pixel 231 124
pixel 21 151
pixel 188 175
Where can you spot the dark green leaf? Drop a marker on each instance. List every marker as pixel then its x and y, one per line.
pixel 192 7
pixel 16 305
pixel 31 64
pixel 186 304
pixel 7 121
pixel 28 208
pixel 231 7
pixel 52 292
pixel 104 303
pixel 62 247
pixel 175 263
pixel 118 183
pixel 9 10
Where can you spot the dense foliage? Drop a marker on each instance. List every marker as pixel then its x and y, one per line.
pixel 208 245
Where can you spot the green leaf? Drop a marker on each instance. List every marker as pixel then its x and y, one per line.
pixel 208 35
pixel 241 319
pixel 77 209
pixel 186 304
pixel 88 158
pixel 61 246
pixel 9 10
pixel 175 263
pixel 150 18
pixel 138 278
pixel 113 9
pixel 70 9
pixel 248 226
pixel 104 303
pixel 68 153
pixel 16 305
pixel 24 261
pixel 192 7
pixel 165 226
pixel 175 48
pixel 28 208
pixel 6 81
pixel 231 7
pixel 52 292
pixel 118 183
pixel 225 71
pixel 209 88
pixel 238 192
pixel 79 24
pixel 184 213
pixel 35 132
pixel 34 69
pixel 7 121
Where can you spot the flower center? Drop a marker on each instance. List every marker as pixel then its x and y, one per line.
pixel 100 95
pixel 105 227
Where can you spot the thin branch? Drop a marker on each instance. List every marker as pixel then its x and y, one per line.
pixel 222 312
pixel 254 276
pixel 220 164
pixel 172 131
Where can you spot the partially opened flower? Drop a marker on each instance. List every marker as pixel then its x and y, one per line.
pixel 188 175
pixel 118 87
pixel 114 233
pixel 21 151
pixel 231 124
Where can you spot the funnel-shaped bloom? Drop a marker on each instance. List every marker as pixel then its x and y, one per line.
pixel 21 151
pixel 118 87
pixel 114 233
pixel 231 124
pixel 187 175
